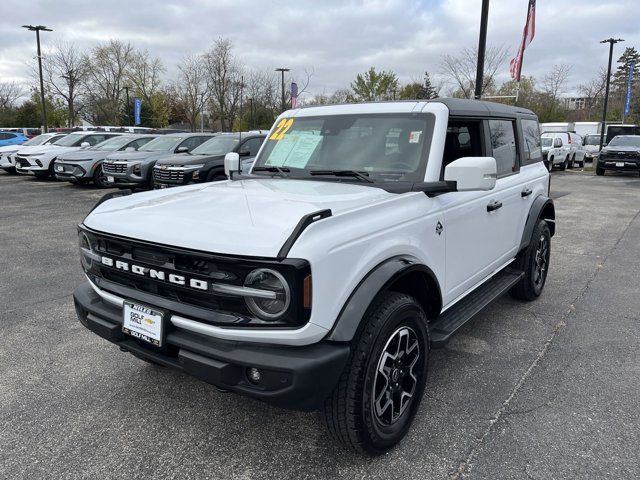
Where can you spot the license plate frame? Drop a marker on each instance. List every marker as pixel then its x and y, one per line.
pixel 110 179
pixel 148 325
pixel 619 164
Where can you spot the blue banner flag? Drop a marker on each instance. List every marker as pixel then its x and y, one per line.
pixel 137 107
pixel 627 100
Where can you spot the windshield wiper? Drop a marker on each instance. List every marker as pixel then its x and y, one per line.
pixel 363 176
pixel 281 170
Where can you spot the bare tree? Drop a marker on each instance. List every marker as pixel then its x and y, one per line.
pixel 191 88
pixel 145 76
pixel 10 92
pixel 65 70
pixel 555 81
pixel 461 68
pixel 224 75
pixel 105 82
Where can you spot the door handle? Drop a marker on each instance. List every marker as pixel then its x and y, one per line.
pixel 526 192
pixel 495 205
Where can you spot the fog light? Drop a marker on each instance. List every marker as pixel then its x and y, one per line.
pixel 254 376
pixel 195 175
pixel 136 169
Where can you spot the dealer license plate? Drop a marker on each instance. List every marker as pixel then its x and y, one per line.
pixel 143 322
pixel 619 164
pixel 110 179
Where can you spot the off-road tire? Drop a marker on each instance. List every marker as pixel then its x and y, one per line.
pixel 528 288
pixel 599 171
pixel 348 412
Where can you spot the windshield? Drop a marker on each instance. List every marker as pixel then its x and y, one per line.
pixel 39 140
pixel 592 139
pixel 388 147
pixel 547 141
pixel 633 141
pixel 160 144
pixel 217 145
pixel 70 140
pixel 112 144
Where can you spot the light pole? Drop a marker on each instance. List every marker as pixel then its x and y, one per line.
pixel 482 44
pixel 37 29
pixel 250 113
pixel 282 70
pixel 611 42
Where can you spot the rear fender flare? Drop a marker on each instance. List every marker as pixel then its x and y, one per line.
pixel 542 208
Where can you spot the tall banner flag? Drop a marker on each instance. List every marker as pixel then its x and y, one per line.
pixel 515 66
pixel 294 95
pixel 137 107
pixel 627 100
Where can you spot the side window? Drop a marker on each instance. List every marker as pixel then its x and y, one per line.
pixel 251 146
pixel 5 136
pixel 191 143
pixel 94 139
pixel 140 142
pixel 532 148
pixel 464 139
pixel 503 144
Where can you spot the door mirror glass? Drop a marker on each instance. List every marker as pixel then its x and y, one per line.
pixel 130 149
pixel 231 163
pixel 85 145
pixel 472 173
pixel 182 149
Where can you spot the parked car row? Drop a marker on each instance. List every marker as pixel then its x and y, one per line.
pixel 128 160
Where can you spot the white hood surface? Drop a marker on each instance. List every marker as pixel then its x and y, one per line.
pixel 245 217
pixel 39 149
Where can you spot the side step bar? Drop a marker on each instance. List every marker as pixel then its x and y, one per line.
pixel 455 317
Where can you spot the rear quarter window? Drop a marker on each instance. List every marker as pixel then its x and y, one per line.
pixel 531 136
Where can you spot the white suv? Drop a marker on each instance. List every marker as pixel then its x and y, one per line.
pixel 364 236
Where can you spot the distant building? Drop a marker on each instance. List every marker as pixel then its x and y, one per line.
pixel 575 103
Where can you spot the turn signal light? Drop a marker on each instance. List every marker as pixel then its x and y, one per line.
pixel 306 292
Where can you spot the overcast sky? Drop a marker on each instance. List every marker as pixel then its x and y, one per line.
pixel 335 39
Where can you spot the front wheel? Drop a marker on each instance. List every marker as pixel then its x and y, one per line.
pixel 534 262
pixel 565 164
pixel 550 164
pixel 99 178
pixel 599 171
pixel 380 389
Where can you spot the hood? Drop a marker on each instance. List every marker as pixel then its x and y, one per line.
pixel 9 149
pixel 591 148
pixel 186 159
pixel 83 155
pixel 37 149
pixel 132 156
pixel 244 217
pixel 621 148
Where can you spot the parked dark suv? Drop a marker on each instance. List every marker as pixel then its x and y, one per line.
pixel 621 154
pixel 206 163
pixel 134 169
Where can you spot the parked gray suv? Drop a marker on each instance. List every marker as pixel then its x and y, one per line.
pixel 134 169
pixel 85 166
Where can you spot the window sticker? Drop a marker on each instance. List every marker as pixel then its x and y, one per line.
pixel 414 137
pixel 294 150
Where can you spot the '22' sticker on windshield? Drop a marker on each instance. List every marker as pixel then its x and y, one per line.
pixel 283 127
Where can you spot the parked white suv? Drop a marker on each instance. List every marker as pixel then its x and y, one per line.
pixel 364 236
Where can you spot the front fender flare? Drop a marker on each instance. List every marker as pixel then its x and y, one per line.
pixel 376 281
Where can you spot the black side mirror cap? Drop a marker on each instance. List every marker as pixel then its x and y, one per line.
pixel 434 188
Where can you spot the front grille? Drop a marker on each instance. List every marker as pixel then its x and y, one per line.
pixel 114 167
pixel 622 155
pixel 220 308
pixel 166 175
pixel 22 162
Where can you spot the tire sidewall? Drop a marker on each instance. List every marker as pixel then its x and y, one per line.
pixel 406 314
pixel 541 229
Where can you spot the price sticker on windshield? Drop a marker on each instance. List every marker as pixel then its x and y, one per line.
pixel 281 129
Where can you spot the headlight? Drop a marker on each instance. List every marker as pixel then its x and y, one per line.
pixel 86 253
pixel 270 281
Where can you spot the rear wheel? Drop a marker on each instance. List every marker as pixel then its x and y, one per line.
pixel 380 389
pixel 534 262
pixel 565 164
pixel 573 161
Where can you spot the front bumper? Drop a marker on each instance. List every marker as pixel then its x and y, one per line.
pixel 72 172
pixel 176 176
pixel 292 377
pixel 619 165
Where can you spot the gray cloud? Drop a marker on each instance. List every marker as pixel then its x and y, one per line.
pixel 337 39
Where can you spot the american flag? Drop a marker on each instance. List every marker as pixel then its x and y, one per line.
pixel 294 95
pixel 515 66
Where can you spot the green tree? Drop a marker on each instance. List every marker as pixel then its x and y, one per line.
pixel 419 91
pixel 372 86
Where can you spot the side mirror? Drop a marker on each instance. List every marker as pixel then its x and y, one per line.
pixel 130 149
pixel 244 153
pixel 472 173
pixel 85 145
pixel 231 163
pixel 182 149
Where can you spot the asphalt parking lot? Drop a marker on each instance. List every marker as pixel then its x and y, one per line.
pixel 543 390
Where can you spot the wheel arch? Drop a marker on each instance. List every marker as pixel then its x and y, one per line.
pixel 542 208
pixel 404 274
